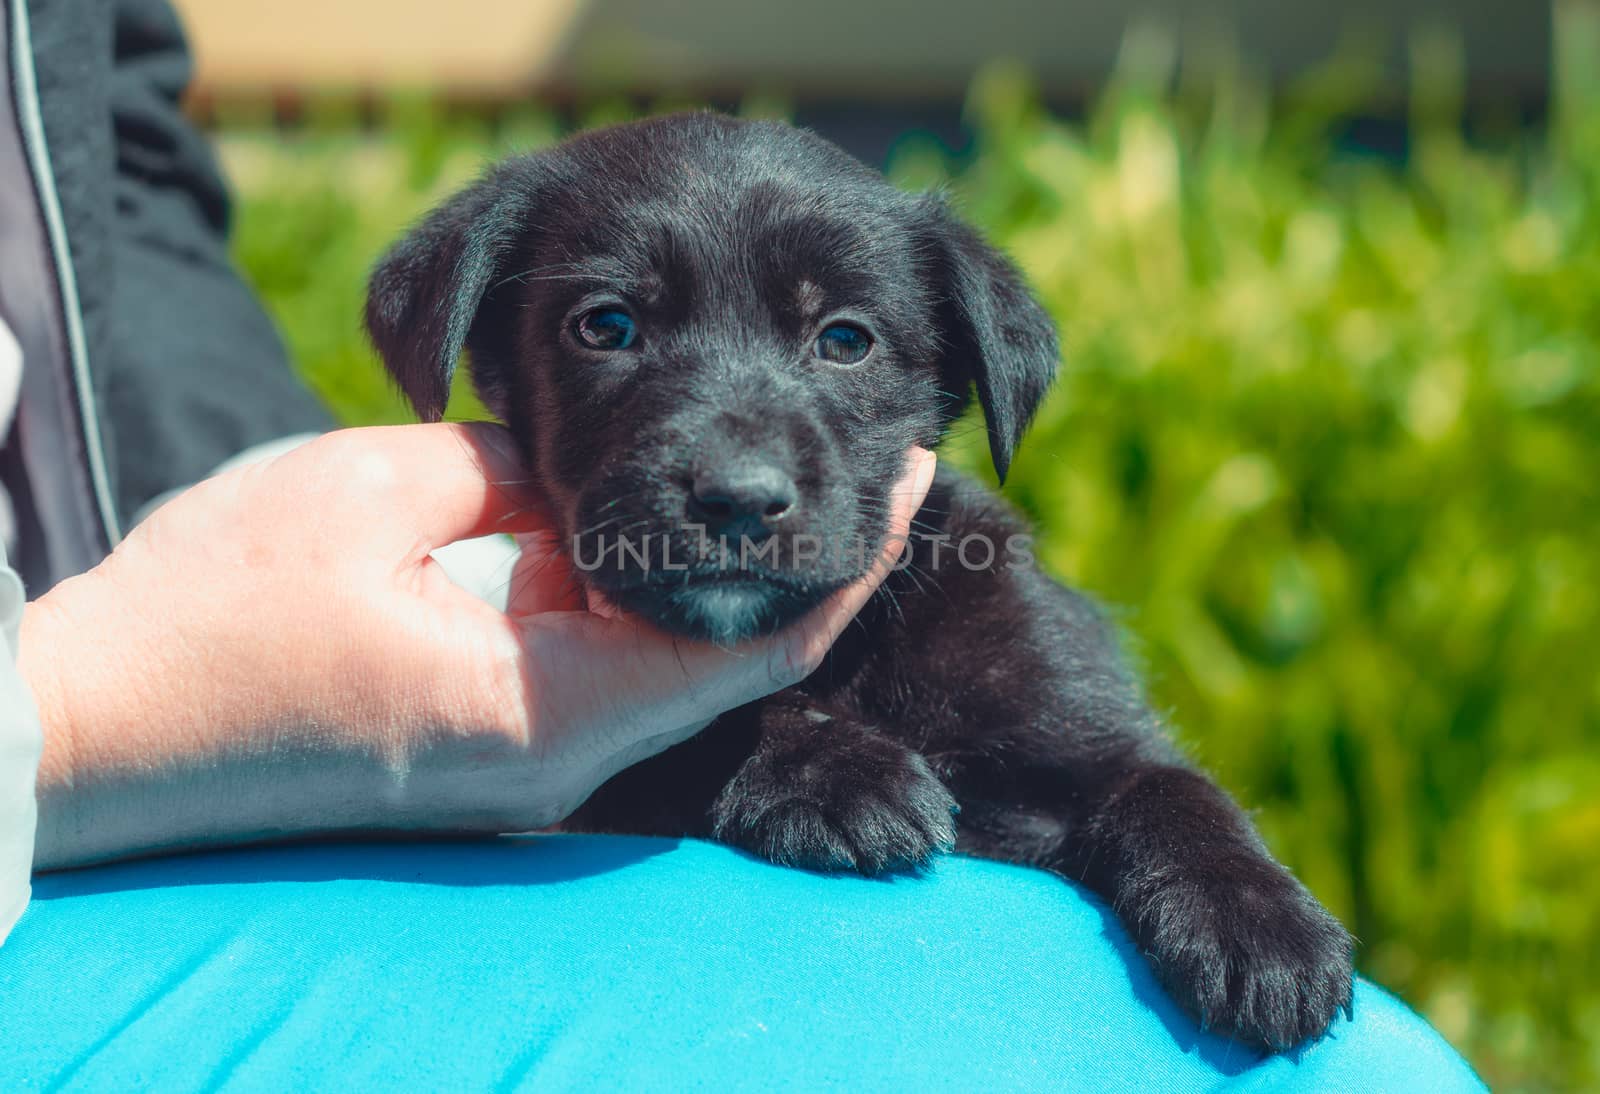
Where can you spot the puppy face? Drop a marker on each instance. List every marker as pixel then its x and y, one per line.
pixel 715 341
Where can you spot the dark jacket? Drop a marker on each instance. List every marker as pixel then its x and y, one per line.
pixel 169 358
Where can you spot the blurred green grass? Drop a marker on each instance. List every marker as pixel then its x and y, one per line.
pixel 1328 436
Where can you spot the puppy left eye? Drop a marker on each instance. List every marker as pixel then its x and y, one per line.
pixel 844 344
pixel 606 328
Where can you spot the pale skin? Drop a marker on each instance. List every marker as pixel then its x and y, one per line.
pixel 273 654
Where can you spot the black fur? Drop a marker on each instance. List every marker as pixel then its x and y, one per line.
pixel 971 681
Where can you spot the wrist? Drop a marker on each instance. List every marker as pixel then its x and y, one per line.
pixel 71 656
pixel 156 743
pixel 44 647
pixel 140 755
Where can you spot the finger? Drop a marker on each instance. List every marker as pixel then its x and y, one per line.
pixel 543 579
pixel 643 682
pixel 610 683
pixel 803 646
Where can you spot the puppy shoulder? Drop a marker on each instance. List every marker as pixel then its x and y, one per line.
pixel 978 549
pixel 958 503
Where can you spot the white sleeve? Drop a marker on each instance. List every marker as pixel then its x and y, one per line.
pixel 20 744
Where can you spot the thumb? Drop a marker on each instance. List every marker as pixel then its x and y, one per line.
pixel 438 482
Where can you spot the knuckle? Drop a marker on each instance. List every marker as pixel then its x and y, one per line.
pixel 365 468
pixel 797 657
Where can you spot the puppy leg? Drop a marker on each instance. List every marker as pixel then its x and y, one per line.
pixel 1232 935
pixel 824 791
pixel 1231 932
pixel 1023 706
pixel 791 781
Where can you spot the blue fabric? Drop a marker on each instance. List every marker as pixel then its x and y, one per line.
pixel 569 962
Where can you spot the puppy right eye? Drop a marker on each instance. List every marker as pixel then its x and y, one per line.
pixel 843 344
pixel 606 329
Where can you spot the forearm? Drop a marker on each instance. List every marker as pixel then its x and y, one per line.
pixel 96 815
pixel 148 748
pixel 125 772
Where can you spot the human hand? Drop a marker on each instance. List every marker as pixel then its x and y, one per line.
pixel 274 652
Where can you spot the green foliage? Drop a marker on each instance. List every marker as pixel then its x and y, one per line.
pixel 1328 435
pixel 1330 431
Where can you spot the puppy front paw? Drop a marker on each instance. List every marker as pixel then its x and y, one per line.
pixel 837 798
pixel 1251 954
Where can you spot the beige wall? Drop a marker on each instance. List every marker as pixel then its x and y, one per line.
pixel 470 45
pixel 815 48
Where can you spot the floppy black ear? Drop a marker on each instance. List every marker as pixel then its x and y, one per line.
pixel 996 335
pixel 425 293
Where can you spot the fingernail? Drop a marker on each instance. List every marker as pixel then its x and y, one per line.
pixel 498 437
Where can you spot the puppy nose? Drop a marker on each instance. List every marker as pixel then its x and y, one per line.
pixel 747 493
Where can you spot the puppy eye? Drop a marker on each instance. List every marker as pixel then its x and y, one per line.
pixel 844 344
pixel 606 328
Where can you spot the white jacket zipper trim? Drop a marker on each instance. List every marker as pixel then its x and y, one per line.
pixel 33 139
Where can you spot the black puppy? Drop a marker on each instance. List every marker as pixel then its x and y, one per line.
pixel 715 341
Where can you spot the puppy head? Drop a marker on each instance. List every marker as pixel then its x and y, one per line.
pixel 714 340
